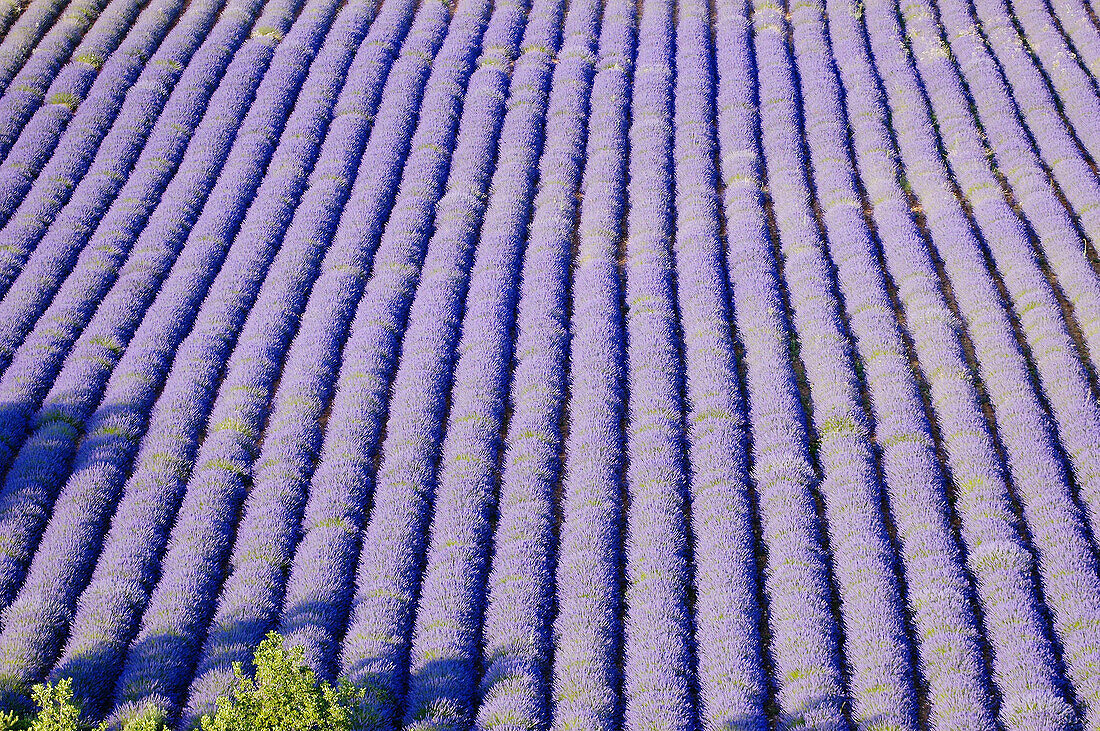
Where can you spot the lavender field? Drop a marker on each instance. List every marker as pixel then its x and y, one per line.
pixel 663 365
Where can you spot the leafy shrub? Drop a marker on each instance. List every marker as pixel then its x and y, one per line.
pixel 10 721
pixel 283 696
pixel 57 711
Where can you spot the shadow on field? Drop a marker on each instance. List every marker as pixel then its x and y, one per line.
pixel 314 624
pixel 97 672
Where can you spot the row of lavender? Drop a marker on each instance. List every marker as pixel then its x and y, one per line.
pixel 537 363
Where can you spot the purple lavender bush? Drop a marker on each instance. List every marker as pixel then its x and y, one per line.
pixel 552 364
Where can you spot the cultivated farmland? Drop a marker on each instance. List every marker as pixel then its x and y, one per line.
pixel 679 365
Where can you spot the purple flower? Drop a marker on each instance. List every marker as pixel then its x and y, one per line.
pixel 949 653
pixel 396 534
pixel 516 627
pixel 997 558
pixel 321 583
pixel 726 617
pixel 587 629
pixel 1066 566
pixel 20 40
pixel 152 492
pixel 52 156
pixel 52 80
pixel 657 628
pixel 1073 405
pixel 802 634
pixel 39 468
pixel 872 613
pixel 327 317
pixel 137 239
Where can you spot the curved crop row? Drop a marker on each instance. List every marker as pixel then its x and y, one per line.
pixel 29 87
pixel 610 364
pixel 1077 92
pixel 1066 389
pixel 162 654
pixel 802 632
pixel 1061 375
pixel 1059 244
pixel 727 618
pixel 39 468
pixel 587 630
pixel 401 242
pixel 71 84
pixel 9 13
pixel 949 652
pixel 111 205
pixel 657 629
pixel 19 42
pixel 1066 564
pixel 72 81
pixel 162 657
pixel 447 634
pixel 249 601
pixel 108 609
pixel 1057 123
pixel 146 224
pixel 322 578
pixel 1012 619
pixel 1073 18
pixel 381 630
pixel 62 142
pixel 871 604
pixel 514 683
pixel 27 623
pixel 70 409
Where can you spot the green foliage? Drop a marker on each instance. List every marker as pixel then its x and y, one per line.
pixel 65 99
pixel 10 721
pixel 267 31
pixel 283 696
pixel 58 711
pixel 92 59
pixel 150 718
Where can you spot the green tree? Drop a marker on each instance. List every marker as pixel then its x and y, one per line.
pixel 57 711
pixel 10 721
pixel 283 696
